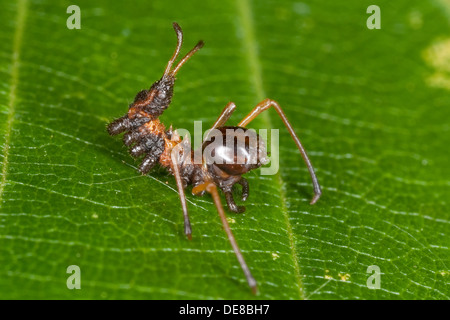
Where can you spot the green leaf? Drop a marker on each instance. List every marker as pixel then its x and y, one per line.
pixel 371 108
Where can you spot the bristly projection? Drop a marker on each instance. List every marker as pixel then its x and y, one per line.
pixel 147 137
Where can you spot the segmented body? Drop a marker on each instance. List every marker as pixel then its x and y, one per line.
pixel 146 136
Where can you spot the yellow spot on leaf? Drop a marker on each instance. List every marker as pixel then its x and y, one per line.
pixel 344 277
pixel 327 276
pixel 231 220
pixel 438 57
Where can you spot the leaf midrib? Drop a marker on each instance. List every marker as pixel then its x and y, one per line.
pixel 249 43
pixel 17 45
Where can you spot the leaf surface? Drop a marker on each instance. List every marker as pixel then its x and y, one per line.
pixel 370 106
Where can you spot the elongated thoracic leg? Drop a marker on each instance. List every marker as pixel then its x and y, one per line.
pixel 223 117
pixel 212 189
pixel 263 106
pixel 176 173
